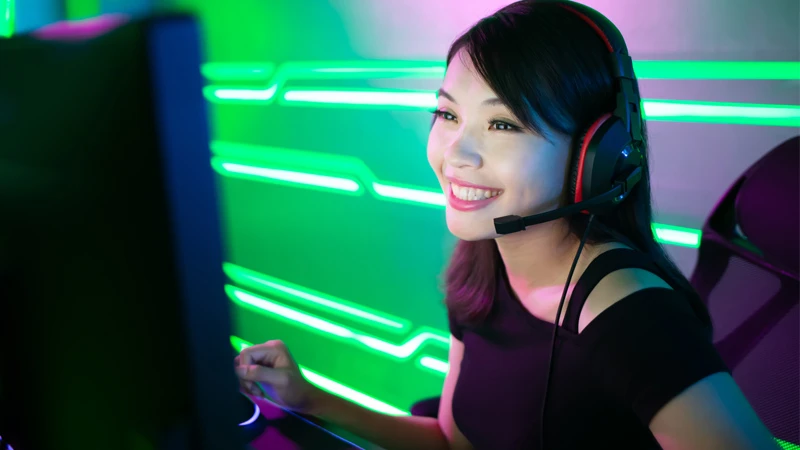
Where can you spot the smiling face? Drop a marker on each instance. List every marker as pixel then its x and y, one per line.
pixel 488 163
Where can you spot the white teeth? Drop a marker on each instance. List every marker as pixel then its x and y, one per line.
pixel 472 194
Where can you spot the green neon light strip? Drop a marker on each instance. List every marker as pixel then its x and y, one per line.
pixel 236 95
pixel 7 16
pixel 717 112
pixel 258 163
pixel 717 70
pixel 322 70
pixel 437 366
pixel 339 172
pixel 411 195
pixel 670 234
pixel 380 98
pixel 326 303
pixel 337 331
pixel 654 110
pixel 292 177
pixel 658 110
pixel 335 387
pixel 787 445
pixel 669 70
pixel 313 299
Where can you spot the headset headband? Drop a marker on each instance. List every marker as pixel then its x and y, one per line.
pixel 628 100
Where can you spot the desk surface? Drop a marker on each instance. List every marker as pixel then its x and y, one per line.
pixel 289 431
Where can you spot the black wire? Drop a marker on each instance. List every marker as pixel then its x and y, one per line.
pixel 555 328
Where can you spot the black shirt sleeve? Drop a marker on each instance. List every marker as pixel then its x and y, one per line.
pixel 455 328
pixel 648 348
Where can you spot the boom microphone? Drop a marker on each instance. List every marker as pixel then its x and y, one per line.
pixel 621 189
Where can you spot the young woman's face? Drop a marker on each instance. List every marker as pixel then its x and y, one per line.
pixel 487 164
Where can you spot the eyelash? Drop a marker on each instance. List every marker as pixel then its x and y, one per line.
pixel 440 113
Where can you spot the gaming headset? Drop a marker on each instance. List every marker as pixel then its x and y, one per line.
pixel 607 158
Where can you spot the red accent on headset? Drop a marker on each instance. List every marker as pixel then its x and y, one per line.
pixel 582 155
pixel 592 24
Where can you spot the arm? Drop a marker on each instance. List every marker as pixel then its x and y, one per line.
pixel 711 414
pixel 398 432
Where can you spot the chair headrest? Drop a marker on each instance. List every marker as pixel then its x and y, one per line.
pixel 768 205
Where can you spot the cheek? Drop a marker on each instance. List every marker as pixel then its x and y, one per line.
pixel 535 178
pixel 435 155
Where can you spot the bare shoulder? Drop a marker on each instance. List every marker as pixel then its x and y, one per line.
pixel 614 287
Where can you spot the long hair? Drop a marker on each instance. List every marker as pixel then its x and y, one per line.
pixel 552 71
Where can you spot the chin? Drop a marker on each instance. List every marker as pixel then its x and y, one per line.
pixel 470 230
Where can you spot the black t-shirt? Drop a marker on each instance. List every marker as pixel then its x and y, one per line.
pixel 607 382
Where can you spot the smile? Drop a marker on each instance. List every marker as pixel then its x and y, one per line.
pixel 464 198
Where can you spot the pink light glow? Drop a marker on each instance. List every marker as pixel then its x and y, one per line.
pixel 81 29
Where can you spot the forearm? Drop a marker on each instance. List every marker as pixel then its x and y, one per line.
pixel 389 432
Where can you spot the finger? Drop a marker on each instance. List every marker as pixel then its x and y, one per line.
pixel 269 375
pixel 248 391
pixel 252 389
pixel 263 354
pixel 256 391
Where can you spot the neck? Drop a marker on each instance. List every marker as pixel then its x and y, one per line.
pixel 539 257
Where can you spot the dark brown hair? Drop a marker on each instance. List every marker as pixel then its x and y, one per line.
pixel 551 69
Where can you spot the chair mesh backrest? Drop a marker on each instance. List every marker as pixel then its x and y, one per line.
pixel 768 374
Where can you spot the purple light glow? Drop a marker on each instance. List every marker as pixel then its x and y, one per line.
pixel 81 29
pixel 256 413
pixel 9 447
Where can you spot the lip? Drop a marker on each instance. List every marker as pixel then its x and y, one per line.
pixel 466 184
pixel 465 205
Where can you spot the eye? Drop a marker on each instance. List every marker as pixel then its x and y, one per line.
pixel 503 126
pixel 440 113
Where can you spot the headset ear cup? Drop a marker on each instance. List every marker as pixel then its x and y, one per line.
pixel 579 172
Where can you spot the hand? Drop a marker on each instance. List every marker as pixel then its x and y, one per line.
pixel 271 364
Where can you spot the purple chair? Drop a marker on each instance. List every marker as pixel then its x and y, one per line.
pixel 747 273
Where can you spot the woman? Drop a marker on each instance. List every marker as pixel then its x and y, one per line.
pixel 632 366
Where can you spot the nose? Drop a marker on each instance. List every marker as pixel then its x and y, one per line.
pixel 462 152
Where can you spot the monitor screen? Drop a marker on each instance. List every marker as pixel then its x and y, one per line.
pixel 114 325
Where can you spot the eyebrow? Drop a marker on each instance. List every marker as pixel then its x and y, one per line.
pixel 489 102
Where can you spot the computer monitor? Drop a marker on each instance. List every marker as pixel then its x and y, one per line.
pixel 114 325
